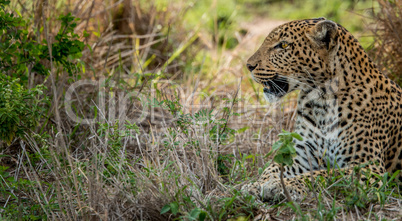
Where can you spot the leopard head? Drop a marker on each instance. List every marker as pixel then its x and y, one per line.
pixel 295 56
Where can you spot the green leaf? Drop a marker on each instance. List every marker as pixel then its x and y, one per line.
pixel 284 150
pixel 241 130
pixel 18 12
pixel 277 145
pixel 174 207
pixel 165 209
pixel 288 149
pixel 297 136
pixel 284 132
pixel 278 158
pixel 250 157
pixel 269 153
pixel 194 214
pixel 202 216
pixel 288 139
pixel 394 175
pixel 288 161
pixel 292 149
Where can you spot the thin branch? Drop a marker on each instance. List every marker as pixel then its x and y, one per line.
pixel 284 187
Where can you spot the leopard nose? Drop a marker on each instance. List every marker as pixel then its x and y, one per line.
pixel 251 67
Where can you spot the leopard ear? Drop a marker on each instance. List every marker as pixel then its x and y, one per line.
pixel 324 34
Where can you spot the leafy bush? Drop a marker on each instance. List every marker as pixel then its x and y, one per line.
pixel 20 55
pixel 20 108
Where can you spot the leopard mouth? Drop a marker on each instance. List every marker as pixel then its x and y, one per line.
pixel 277 86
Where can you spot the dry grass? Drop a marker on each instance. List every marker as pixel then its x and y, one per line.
pixel 387 51
pixel 90 172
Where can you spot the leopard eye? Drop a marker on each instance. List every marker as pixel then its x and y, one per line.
pixel 282 45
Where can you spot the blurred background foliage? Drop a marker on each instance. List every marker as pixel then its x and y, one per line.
pixel 210 27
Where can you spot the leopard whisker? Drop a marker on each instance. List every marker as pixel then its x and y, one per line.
pixel 277 87
pixel 295 80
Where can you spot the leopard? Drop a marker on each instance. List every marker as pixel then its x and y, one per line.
pixel 348 112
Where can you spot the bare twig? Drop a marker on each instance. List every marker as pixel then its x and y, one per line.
pixel 285 190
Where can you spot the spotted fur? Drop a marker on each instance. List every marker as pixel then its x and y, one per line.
pixel 348 112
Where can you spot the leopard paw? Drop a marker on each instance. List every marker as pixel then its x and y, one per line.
pixel 252 188
pixel 272 191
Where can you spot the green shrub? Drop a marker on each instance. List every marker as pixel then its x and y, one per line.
pixel 20 108
pixel 20 54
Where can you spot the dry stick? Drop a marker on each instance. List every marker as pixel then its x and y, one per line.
pixel 284 187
